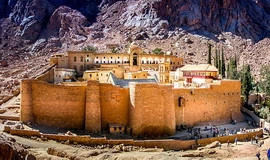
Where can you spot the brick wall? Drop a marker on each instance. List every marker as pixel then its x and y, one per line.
pixel 210 105
pixel 92 108
pixel 114 105
pixel 151 110
pixel 48 76
pixel 53 105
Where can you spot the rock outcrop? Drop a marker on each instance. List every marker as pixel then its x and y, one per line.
pixel 9 149
pixel 68 24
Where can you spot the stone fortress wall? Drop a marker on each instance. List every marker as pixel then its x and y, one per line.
pixel 145 108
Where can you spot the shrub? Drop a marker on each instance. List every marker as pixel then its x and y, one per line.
pixel 89 48
pixel 158 51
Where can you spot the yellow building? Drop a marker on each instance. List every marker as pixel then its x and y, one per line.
pixel 134 60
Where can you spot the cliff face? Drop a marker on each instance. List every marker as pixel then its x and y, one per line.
pixel 245 18
pixel 43 26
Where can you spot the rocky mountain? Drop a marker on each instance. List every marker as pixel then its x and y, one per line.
pixel 41 27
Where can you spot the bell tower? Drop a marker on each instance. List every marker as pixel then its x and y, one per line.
pixel 164 72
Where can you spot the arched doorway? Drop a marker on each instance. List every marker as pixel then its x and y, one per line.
pixel 135 59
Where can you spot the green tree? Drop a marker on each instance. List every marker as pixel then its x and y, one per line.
pixel 223 68
pixel 216 58
pixel 264 83
pixel 158 51
pixel 209 53
pixel 232 72
pixel 246 81
pixel 114 50
pixel 90 48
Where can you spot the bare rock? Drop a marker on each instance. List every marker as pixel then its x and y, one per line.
pixel 68 24
pixel 213 145
pixel 31 16
pixel 10 149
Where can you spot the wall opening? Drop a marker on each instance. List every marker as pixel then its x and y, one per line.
pixel 135 59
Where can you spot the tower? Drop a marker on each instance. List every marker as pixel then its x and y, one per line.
pixel 164 72
pixel 134 57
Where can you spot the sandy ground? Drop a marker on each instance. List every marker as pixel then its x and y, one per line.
pixel 40 149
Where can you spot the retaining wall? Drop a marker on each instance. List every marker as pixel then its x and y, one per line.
pixel 167 144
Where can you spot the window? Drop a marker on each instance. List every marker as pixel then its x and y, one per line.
pixel 106 75
pixel 96 61
pixel 104 57
pixel 75 59
pixel 87 60
pixel 81 58
pixel 180 101
pixel 135 77
pixel 87 56
pixel 90 75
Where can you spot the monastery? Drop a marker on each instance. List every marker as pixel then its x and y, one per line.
pixel 141 94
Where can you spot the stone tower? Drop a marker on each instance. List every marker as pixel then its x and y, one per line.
pixel 134 57
pixel 164 72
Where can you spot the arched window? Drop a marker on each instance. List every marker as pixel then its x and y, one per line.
pixel 135 59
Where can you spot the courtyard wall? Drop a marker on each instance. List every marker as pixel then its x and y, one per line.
pixel 151 110
pixel 216 105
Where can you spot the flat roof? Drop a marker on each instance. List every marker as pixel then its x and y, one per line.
pixel 199 67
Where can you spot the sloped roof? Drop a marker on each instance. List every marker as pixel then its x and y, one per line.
pixel 199 67
pixel 125 82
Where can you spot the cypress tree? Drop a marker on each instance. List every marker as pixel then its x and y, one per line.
pixel 228 69
pixel 246 81
pixel 223 68
pixel 219 66
pixel 209 53
pixel 216 59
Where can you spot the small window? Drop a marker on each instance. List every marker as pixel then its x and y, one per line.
pixel 97 74
pixel 81 59
pixel 96 61
pixel 96 57
pixel 87 56
pixel 90 75
pixel 75 59
pixel 135 77
pixel 101 74
pixel 111 57
pixel 118 57
pixel 87 60
pixel 106 75
pixel 104 57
